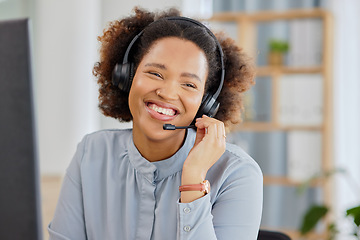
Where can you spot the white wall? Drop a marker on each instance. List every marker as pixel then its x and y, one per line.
pixel 115 9
pixel 346 107
pixel 64 52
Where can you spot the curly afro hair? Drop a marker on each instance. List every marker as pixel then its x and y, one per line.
pixel 239 69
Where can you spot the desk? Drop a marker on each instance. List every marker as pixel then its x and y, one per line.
pixel 50 189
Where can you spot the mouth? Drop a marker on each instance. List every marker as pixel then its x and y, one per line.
pixel 162 110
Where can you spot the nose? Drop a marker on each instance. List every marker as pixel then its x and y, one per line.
pixel 168 91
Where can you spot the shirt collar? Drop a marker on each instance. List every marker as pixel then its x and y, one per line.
pixel 156 171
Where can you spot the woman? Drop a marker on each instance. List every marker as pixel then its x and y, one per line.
pixel 158 69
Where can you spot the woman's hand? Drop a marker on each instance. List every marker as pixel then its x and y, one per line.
pixel 208 148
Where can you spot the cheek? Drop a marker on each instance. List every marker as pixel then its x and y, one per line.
pixel 135 93
pixel 138 87
pixel 130 102
pixel 193 102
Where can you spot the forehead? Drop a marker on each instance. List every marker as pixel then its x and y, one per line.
pixel 177 54
pixel 177 47
pixel 168 42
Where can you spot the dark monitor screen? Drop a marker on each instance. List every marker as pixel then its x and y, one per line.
pixel 20 216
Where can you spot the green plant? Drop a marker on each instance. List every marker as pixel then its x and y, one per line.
pixel 279 46
pixel 317 213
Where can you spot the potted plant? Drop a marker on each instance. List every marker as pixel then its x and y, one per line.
pixel 317 213
pixel 277 48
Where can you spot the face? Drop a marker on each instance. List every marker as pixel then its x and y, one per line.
pixel 168 87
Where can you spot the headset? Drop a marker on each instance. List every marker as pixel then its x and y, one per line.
pixel 123 73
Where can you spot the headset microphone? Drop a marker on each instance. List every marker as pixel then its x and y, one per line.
pixel 173 127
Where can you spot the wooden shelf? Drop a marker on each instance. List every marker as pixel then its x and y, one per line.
pixel 272 70
pixel 285 181
pixel 247 38
pixel 262 16
pixel 268 126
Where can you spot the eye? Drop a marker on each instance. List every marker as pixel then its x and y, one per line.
pixel 191 85
pixel 156 74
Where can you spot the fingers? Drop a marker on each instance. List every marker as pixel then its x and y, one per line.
pixel 213 127
pixel 209 145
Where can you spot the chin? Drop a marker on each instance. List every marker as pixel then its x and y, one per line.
pixel 164 135
pixel 153 131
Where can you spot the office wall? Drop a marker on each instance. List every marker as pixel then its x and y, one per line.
pixel 64 53
pixel 346 108
pixel 15 9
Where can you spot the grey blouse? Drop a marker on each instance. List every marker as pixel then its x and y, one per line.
pixel 111 192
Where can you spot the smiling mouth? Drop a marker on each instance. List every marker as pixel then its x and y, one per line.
pixel 162 110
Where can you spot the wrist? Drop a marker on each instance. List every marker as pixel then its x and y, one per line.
pixel 192 192
pixel 192 176
pixel 203 187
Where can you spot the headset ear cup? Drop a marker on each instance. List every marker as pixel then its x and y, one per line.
pixel 208 107
pixel 122 76
pixel 214 109
pixel 116 74
pixel 131 76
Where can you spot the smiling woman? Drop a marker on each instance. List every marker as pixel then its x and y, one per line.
pixel 124 184
pixel 167 88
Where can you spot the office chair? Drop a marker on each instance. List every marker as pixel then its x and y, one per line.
pixel 272 235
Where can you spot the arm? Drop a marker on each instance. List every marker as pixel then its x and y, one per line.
pixel 237 209
pixel 208 147
pixel 68 222
pixel 238 206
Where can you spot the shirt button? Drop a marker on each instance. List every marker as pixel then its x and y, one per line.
pixel 187 210
pixel 187 228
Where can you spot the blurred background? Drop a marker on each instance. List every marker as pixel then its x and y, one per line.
pixel 301 119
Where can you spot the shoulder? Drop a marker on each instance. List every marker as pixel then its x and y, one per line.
pixel 235 163
pixel 236 157
pixel 108 134
pixel 108 137
pixel 96 144
pixel 235 174
pixel 98 148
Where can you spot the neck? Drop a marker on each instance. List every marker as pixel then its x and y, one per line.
pixel 158 149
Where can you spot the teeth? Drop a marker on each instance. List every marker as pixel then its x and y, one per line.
pixel 165 111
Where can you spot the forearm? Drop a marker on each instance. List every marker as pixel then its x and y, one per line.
pixel 208 147
pixel 191 176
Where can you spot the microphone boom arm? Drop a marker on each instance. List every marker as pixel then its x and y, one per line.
pixel 168 126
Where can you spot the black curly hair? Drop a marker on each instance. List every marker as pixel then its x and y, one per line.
pixel 239 69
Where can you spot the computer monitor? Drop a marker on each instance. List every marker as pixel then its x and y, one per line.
pixel 20 210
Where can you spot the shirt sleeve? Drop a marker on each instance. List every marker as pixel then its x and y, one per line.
pixel 68 222
pixel 195 220
pixel 234 214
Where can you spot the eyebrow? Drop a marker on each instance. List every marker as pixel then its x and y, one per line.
pixel 184 74
pixel 158 65
pixel 191 75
